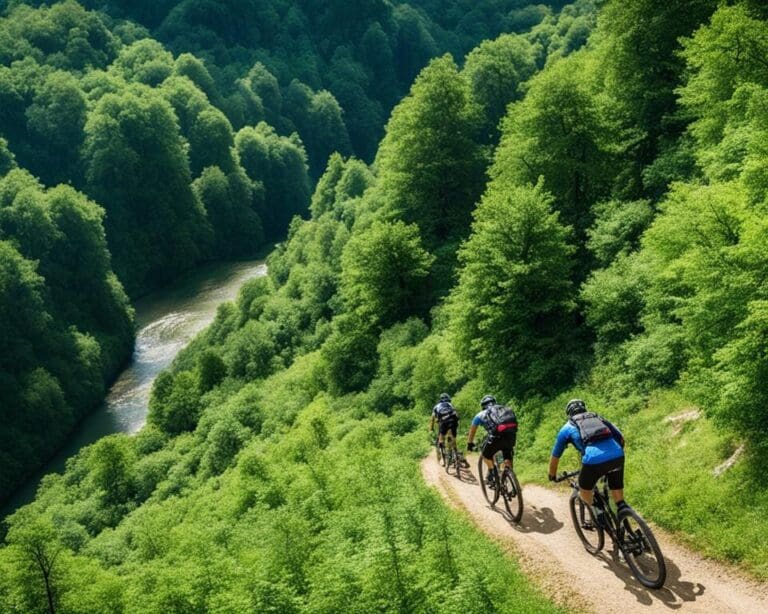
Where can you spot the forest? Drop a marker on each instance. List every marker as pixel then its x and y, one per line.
pixel 136 145
pixel 564 201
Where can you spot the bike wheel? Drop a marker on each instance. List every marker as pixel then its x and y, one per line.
pixel 641 550
pixel 457 463
pixel 450 454
pixel 491 494
pixel 590 534
pixel 513 494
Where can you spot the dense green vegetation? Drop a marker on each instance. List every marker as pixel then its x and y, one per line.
pixel 606 240
pixel 191 131
pixel 66 321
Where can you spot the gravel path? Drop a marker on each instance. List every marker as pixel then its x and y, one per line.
pixel 551 554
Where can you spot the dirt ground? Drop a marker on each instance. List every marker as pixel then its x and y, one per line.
pixel 551 554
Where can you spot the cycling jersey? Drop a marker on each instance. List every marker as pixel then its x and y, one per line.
pixel 597 452
pixel 444 411
pixel 481 418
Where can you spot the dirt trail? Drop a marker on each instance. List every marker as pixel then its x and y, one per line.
pixel 552 555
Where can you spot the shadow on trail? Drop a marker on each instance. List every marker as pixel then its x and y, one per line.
pixel 537 520
pixel 674 594
pixel 534 520
pixel 467 476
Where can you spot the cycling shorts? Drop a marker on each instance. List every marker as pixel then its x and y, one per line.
pixel 451 424
pixel 612 469
pixel 504 442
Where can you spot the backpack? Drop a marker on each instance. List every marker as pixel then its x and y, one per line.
pixel 500 418
pixel 445 411
pixel 591 427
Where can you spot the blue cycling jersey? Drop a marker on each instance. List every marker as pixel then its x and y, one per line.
pixel 600 451
pixel 481 418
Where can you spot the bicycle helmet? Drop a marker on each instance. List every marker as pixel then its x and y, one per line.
pixel 575 406
pixel 444 398
pixel 487 400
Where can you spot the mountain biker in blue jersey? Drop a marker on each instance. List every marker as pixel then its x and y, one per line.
pixel 501 424
pixel 447 419
pixel 602 454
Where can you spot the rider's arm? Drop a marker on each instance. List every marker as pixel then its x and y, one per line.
pixel 471 434
pixel 553 463
pixel 557 450
pixel 432 423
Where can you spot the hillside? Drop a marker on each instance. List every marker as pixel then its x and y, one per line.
pixel 541 220
pixel 134 151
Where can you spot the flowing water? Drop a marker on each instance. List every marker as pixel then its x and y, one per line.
pixel 166 321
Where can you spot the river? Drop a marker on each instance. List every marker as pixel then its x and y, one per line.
pixel 166 321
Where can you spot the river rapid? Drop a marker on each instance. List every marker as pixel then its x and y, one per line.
pixel 166 322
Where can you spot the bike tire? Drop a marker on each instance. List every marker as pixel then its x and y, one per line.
pixel 491 494
pixel 457 463
pixel 593 540
pixel 641 550
pixel 513 495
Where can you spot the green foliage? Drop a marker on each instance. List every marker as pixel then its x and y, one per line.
pixel 496 71
pixel 384 268
pixel 174 406
pixel 562 131
pixel 429 164
pixel 741 377
pixel 130 139
pixel 279 164
pixel 520 323
pixel 66 320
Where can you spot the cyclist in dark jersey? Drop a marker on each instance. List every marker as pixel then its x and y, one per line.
pixel 600 457
pixel 501 437
pixel 447 419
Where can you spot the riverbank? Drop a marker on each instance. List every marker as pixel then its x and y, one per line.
pixel 166 322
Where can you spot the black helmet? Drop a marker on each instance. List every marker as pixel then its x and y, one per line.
pixel 444 398
pixel 575 406
pixel 488 400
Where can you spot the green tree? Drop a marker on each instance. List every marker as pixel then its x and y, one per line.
pixel 430 165
pixel 383 273
pixel 38 550
pixel 562 131
pixel 639 54
pixel 512 311
pixel 496 70
pixel 280 165
pixel 137 169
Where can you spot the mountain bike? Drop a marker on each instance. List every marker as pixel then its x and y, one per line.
pixel 504 484
pixel 631 536
pixel 449 456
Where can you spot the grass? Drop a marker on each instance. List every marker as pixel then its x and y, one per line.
pixel 669 473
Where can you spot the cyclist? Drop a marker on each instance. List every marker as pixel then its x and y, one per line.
pixel 447 419
pixel 601 446
pixel 501 424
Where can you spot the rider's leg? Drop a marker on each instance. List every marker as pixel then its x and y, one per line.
pixel 616 483
pixel 452 431
pixel 508 450
pixel 587 479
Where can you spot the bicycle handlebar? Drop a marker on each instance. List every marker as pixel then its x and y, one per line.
pixel 567 474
